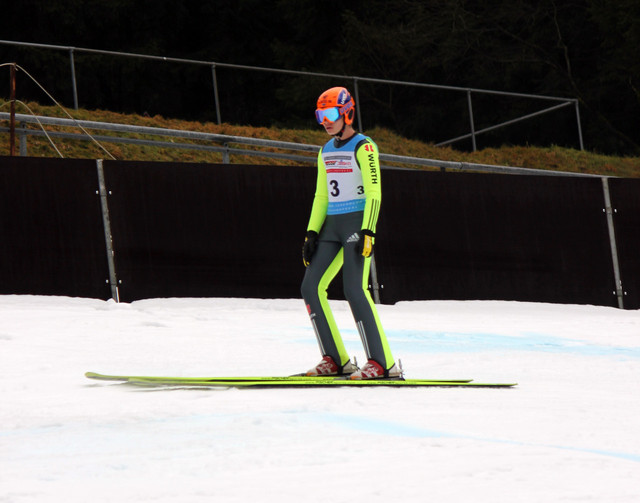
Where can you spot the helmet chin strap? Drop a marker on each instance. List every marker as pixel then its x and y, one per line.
pixel 339 133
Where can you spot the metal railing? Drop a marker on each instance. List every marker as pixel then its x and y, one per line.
pixel 473 133
pixel 222 144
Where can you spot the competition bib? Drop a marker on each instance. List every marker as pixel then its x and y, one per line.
pixel 344 178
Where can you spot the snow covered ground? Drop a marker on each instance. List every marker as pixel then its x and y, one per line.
pixel 570 431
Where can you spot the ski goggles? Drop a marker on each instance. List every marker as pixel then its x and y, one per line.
pixel 328 114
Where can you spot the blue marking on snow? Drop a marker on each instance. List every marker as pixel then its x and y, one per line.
pixel 413 341
pixel 439 342
pixel 382 427
pixel 446 342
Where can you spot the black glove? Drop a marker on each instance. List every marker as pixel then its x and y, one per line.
pixel 365 244
pixel 309 247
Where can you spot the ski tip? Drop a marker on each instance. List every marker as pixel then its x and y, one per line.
pixel 104 377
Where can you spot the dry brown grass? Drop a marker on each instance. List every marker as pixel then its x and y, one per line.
pixel 548 158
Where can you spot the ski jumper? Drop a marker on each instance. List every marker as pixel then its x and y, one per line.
pixel 347 200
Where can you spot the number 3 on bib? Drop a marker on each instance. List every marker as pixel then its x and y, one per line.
pixel 336 191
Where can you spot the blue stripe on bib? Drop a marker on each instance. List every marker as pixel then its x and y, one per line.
pixel 337 208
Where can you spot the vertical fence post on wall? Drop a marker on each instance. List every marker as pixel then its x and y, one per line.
pixel 619 292
pixel 108 238
pixel 74 85
pixel 471 121
pixel 215 93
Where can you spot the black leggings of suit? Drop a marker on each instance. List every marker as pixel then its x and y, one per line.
pixel 337 248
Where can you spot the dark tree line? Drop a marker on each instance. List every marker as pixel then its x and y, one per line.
pixel 583 49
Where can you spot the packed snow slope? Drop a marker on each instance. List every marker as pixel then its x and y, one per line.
pixel 570 430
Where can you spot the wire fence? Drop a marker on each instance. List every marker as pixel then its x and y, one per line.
pixel 469 93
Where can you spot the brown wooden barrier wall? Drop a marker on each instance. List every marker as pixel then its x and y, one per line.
pixel 194 230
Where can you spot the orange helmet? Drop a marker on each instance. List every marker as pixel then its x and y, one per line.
pixel 333 103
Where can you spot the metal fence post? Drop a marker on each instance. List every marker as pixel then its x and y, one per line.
pixel 108 238
pixel 74 85
pixel 357 95
pixel 608 209
pixel 471 121
pixel 22 137
pixel 12 101
pixel 579 125
pixel 215 92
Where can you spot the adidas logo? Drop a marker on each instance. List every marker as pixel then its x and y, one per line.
pixel 354 238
